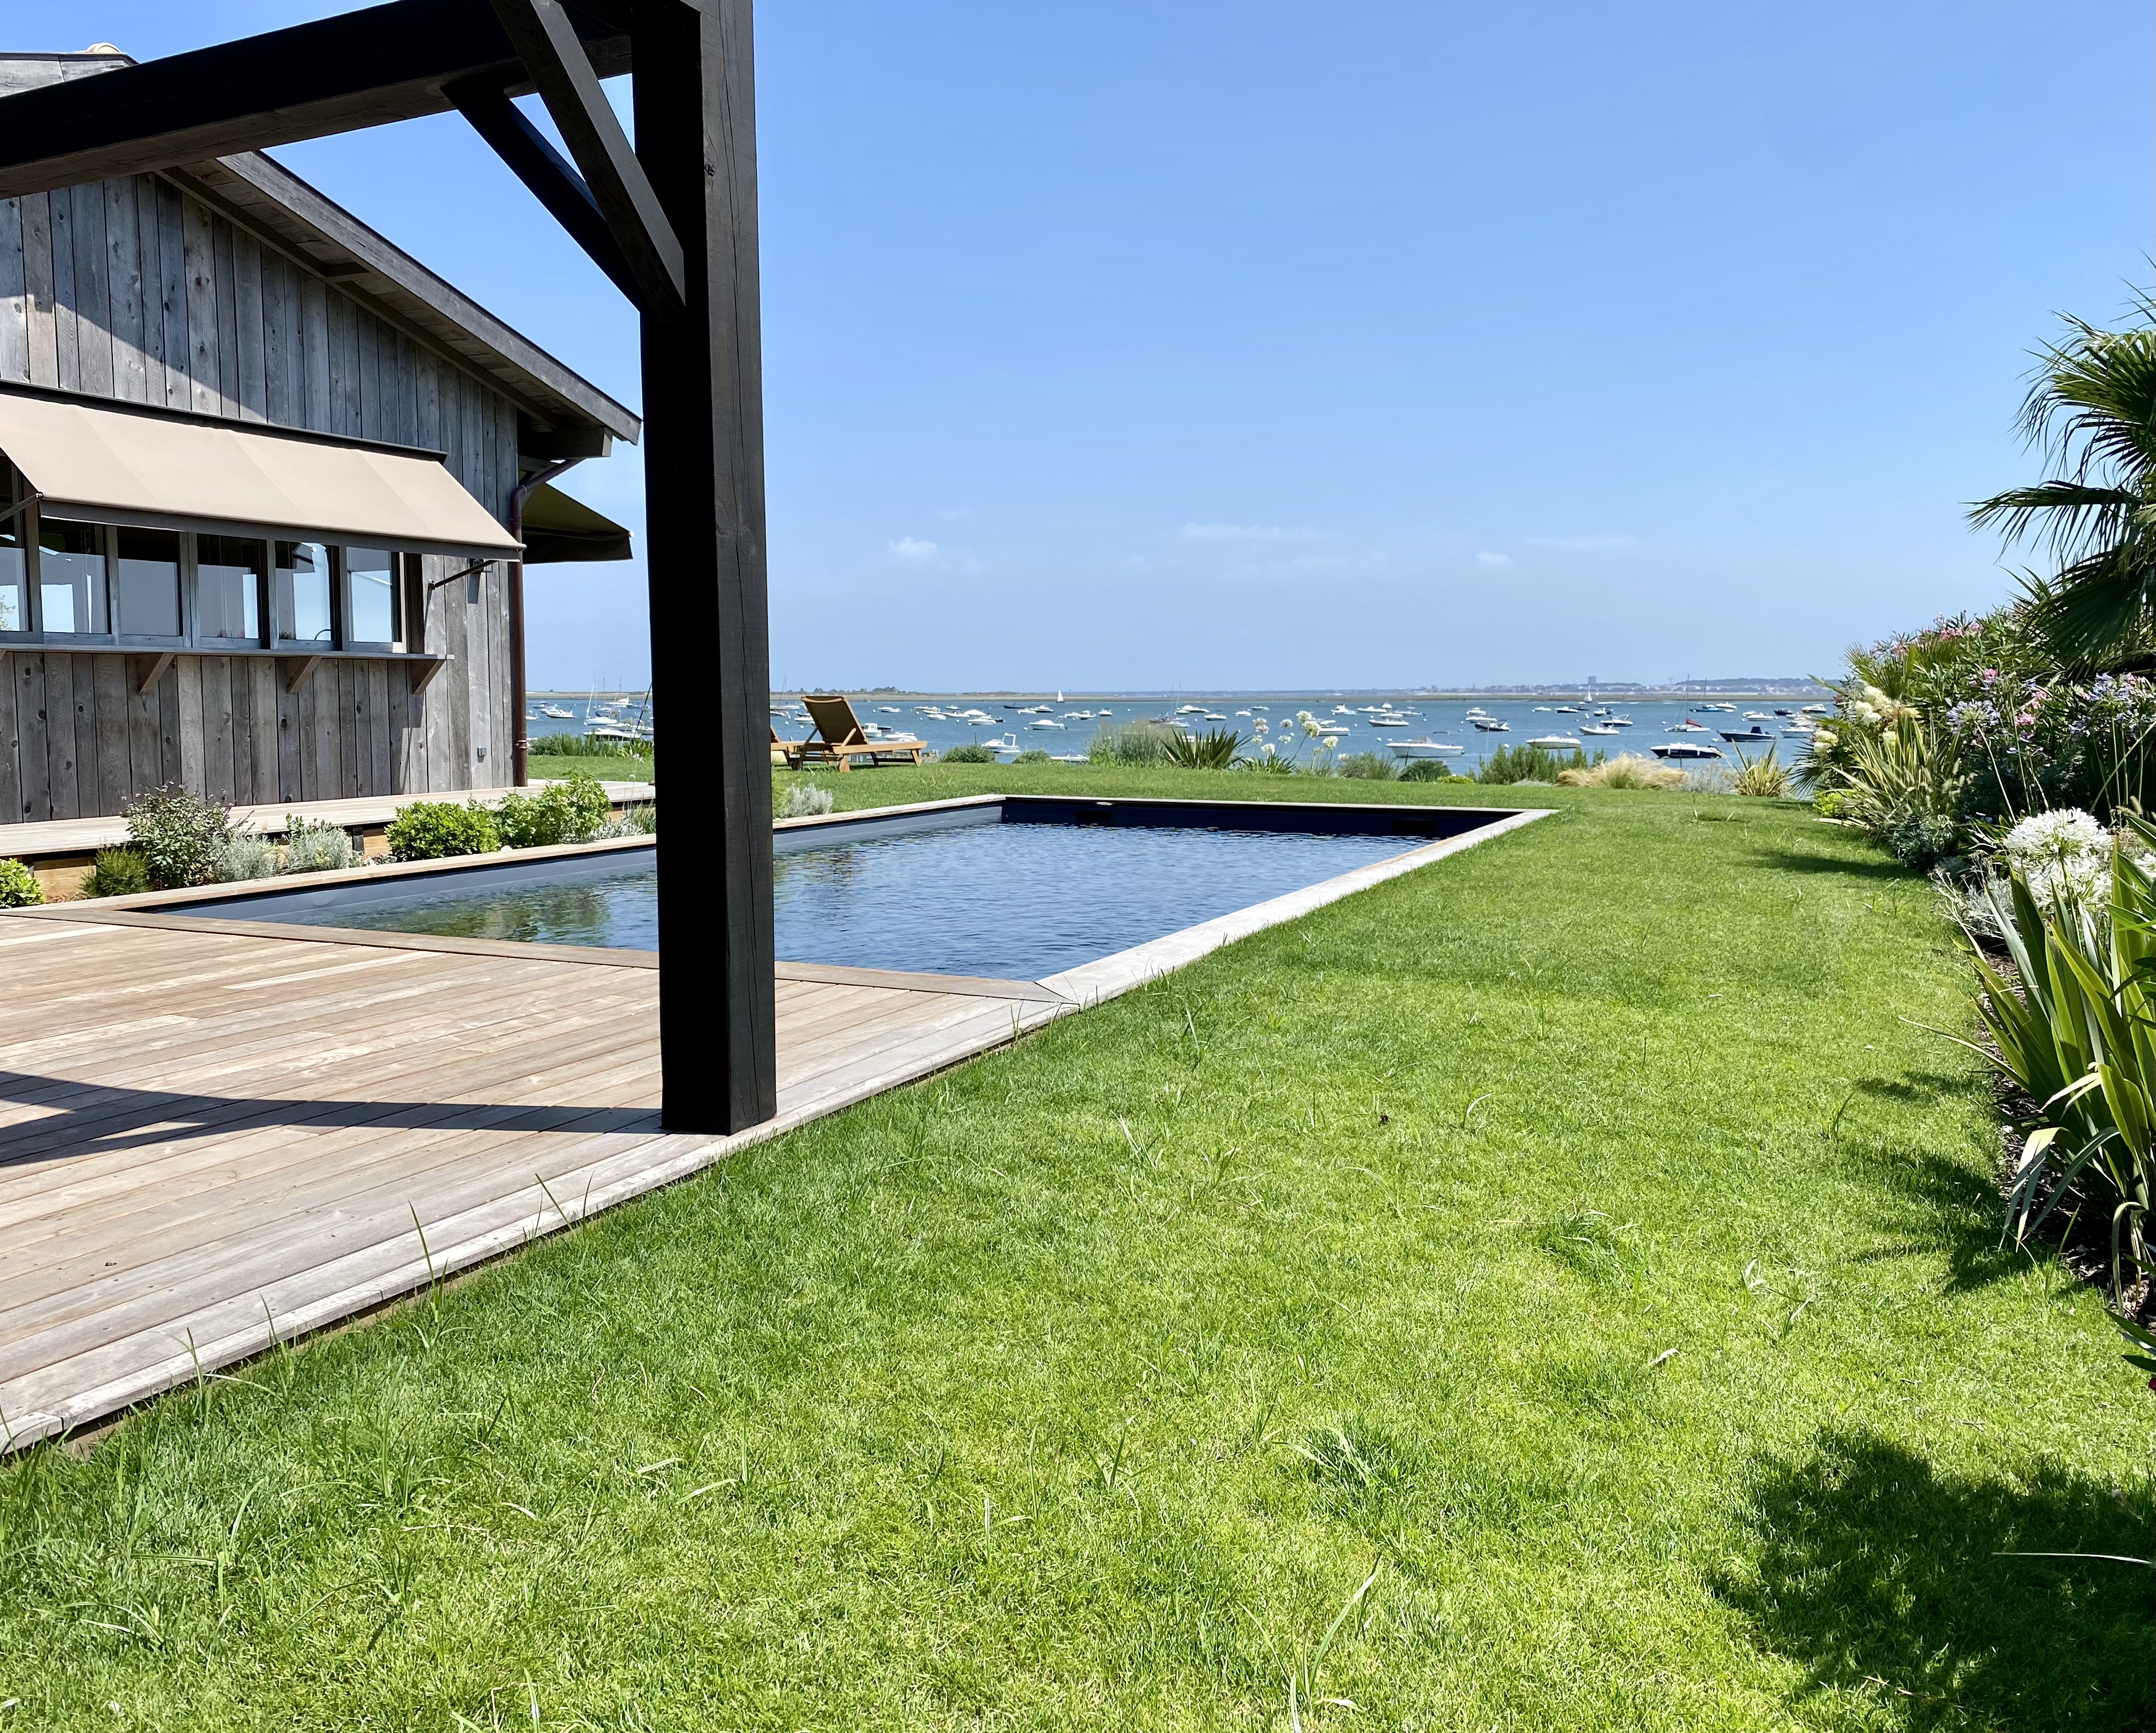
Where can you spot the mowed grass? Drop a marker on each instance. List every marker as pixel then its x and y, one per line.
pixel 542 766
pixel 1577 1240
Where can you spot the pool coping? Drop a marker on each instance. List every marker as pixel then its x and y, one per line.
pixel 1075 988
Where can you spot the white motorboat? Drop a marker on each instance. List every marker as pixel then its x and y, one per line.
pixel 1687 750
pixel 1389 722
pixel 1491 725
pixel 1556 742
pixel 1424 748
pixel 1042 723
pixel 1599 728
pixel 558 713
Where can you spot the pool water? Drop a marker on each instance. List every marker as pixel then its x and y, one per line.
pixel 1013 901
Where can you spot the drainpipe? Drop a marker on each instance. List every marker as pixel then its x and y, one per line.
pixel 518 704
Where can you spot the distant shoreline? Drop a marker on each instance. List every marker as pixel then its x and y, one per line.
pixel 1805 690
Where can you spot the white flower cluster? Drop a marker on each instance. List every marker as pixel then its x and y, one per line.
pixel 1874 709
pixel 2065 856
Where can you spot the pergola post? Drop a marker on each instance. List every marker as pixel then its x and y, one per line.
pixel 672 223
pixel 704 541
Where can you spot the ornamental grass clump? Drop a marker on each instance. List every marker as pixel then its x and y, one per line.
pixel 1370 766
pixel 1627 770
pixel 18 886
pixel 434 831
pixel 179 836
pixel 971 753
pixel 1532 763
pixel 1129 743
pixel 1764 778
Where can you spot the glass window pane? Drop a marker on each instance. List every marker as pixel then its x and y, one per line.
pixel 371 574
pixel 146 601
pixel 303 594
pixel 71 576
pixel 228 587
pixel 14 559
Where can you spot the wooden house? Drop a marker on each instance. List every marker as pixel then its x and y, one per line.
pixel 266 488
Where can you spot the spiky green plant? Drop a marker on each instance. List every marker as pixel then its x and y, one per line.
pixel 2091 411
pixel 1215 749
pixel 2078 1039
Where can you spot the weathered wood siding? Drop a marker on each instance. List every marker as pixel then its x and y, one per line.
pixel 130 290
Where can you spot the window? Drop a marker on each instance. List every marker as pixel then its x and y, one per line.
pixel 228 588
pixel 145 595
pixel 302 594
pixel 71 576
pixel 370 575
pixel 14 556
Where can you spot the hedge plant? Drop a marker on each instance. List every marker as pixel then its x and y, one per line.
pixel 118 872
pixel 434 830
pixel 18 886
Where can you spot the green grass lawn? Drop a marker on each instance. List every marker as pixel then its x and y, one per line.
pixel 543 765
pixel 1578 1240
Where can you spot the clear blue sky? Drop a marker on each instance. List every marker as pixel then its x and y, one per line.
pixel 1138 344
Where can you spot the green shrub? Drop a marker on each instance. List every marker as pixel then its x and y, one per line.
pixel 18 886
pixel 570 811
pixel 1428 770
pixel 118 872
pixel 974 754
pixel 178 837
pixel 434 830
pixel 316 845
pixel 1370 766
pixel 1032 755
pixel 240 857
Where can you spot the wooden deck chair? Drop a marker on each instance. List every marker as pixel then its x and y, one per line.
pixel 840 738
pixel 785 754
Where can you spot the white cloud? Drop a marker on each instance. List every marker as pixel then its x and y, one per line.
pixel 1493 559
pixel 1584 544
pixel 1246 532
pixel 909 552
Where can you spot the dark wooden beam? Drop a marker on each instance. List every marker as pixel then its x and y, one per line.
pixel 711 653
pixel 336 75
pixel 546 42
pixel 533 160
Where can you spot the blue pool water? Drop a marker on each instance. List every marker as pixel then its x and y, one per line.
pixel 1013 901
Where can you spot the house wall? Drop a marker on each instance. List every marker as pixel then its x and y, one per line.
pixel 133 290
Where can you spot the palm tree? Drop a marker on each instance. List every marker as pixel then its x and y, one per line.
pixel 2092 411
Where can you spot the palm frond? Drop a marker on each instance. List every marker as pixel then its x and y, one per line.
pixel 2071 517
pixel 2098 610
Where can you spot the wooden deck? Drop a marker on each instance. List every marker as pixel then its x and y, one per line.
pixel 210 1140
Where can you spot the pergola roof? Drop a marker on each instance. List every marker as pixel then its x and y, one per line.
pixel 271 200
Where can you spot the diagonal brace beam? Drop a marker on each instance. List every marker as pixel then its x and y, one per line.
pixel 546 41
pixel 532 158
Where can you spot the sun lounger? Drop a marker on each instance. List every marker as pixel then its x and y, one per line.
pixel 840 739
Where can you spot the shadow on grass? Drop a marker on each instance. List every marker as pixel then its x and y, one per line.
pixel 1878 1574
pixel 1784 859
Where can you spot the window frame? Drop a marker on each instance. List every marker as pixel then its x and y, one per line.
pixel 264 593
pixel 144 639
pixel 347 639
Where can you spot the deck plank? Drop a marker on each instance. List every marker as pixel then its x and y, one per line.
pixel 207 1136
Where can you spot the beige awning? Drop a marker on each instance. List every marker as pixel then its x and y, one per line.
pixel 110 465
pixel 558 528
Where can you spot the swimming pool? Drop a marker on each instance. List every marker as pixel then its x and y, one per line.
pixel 1016 889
